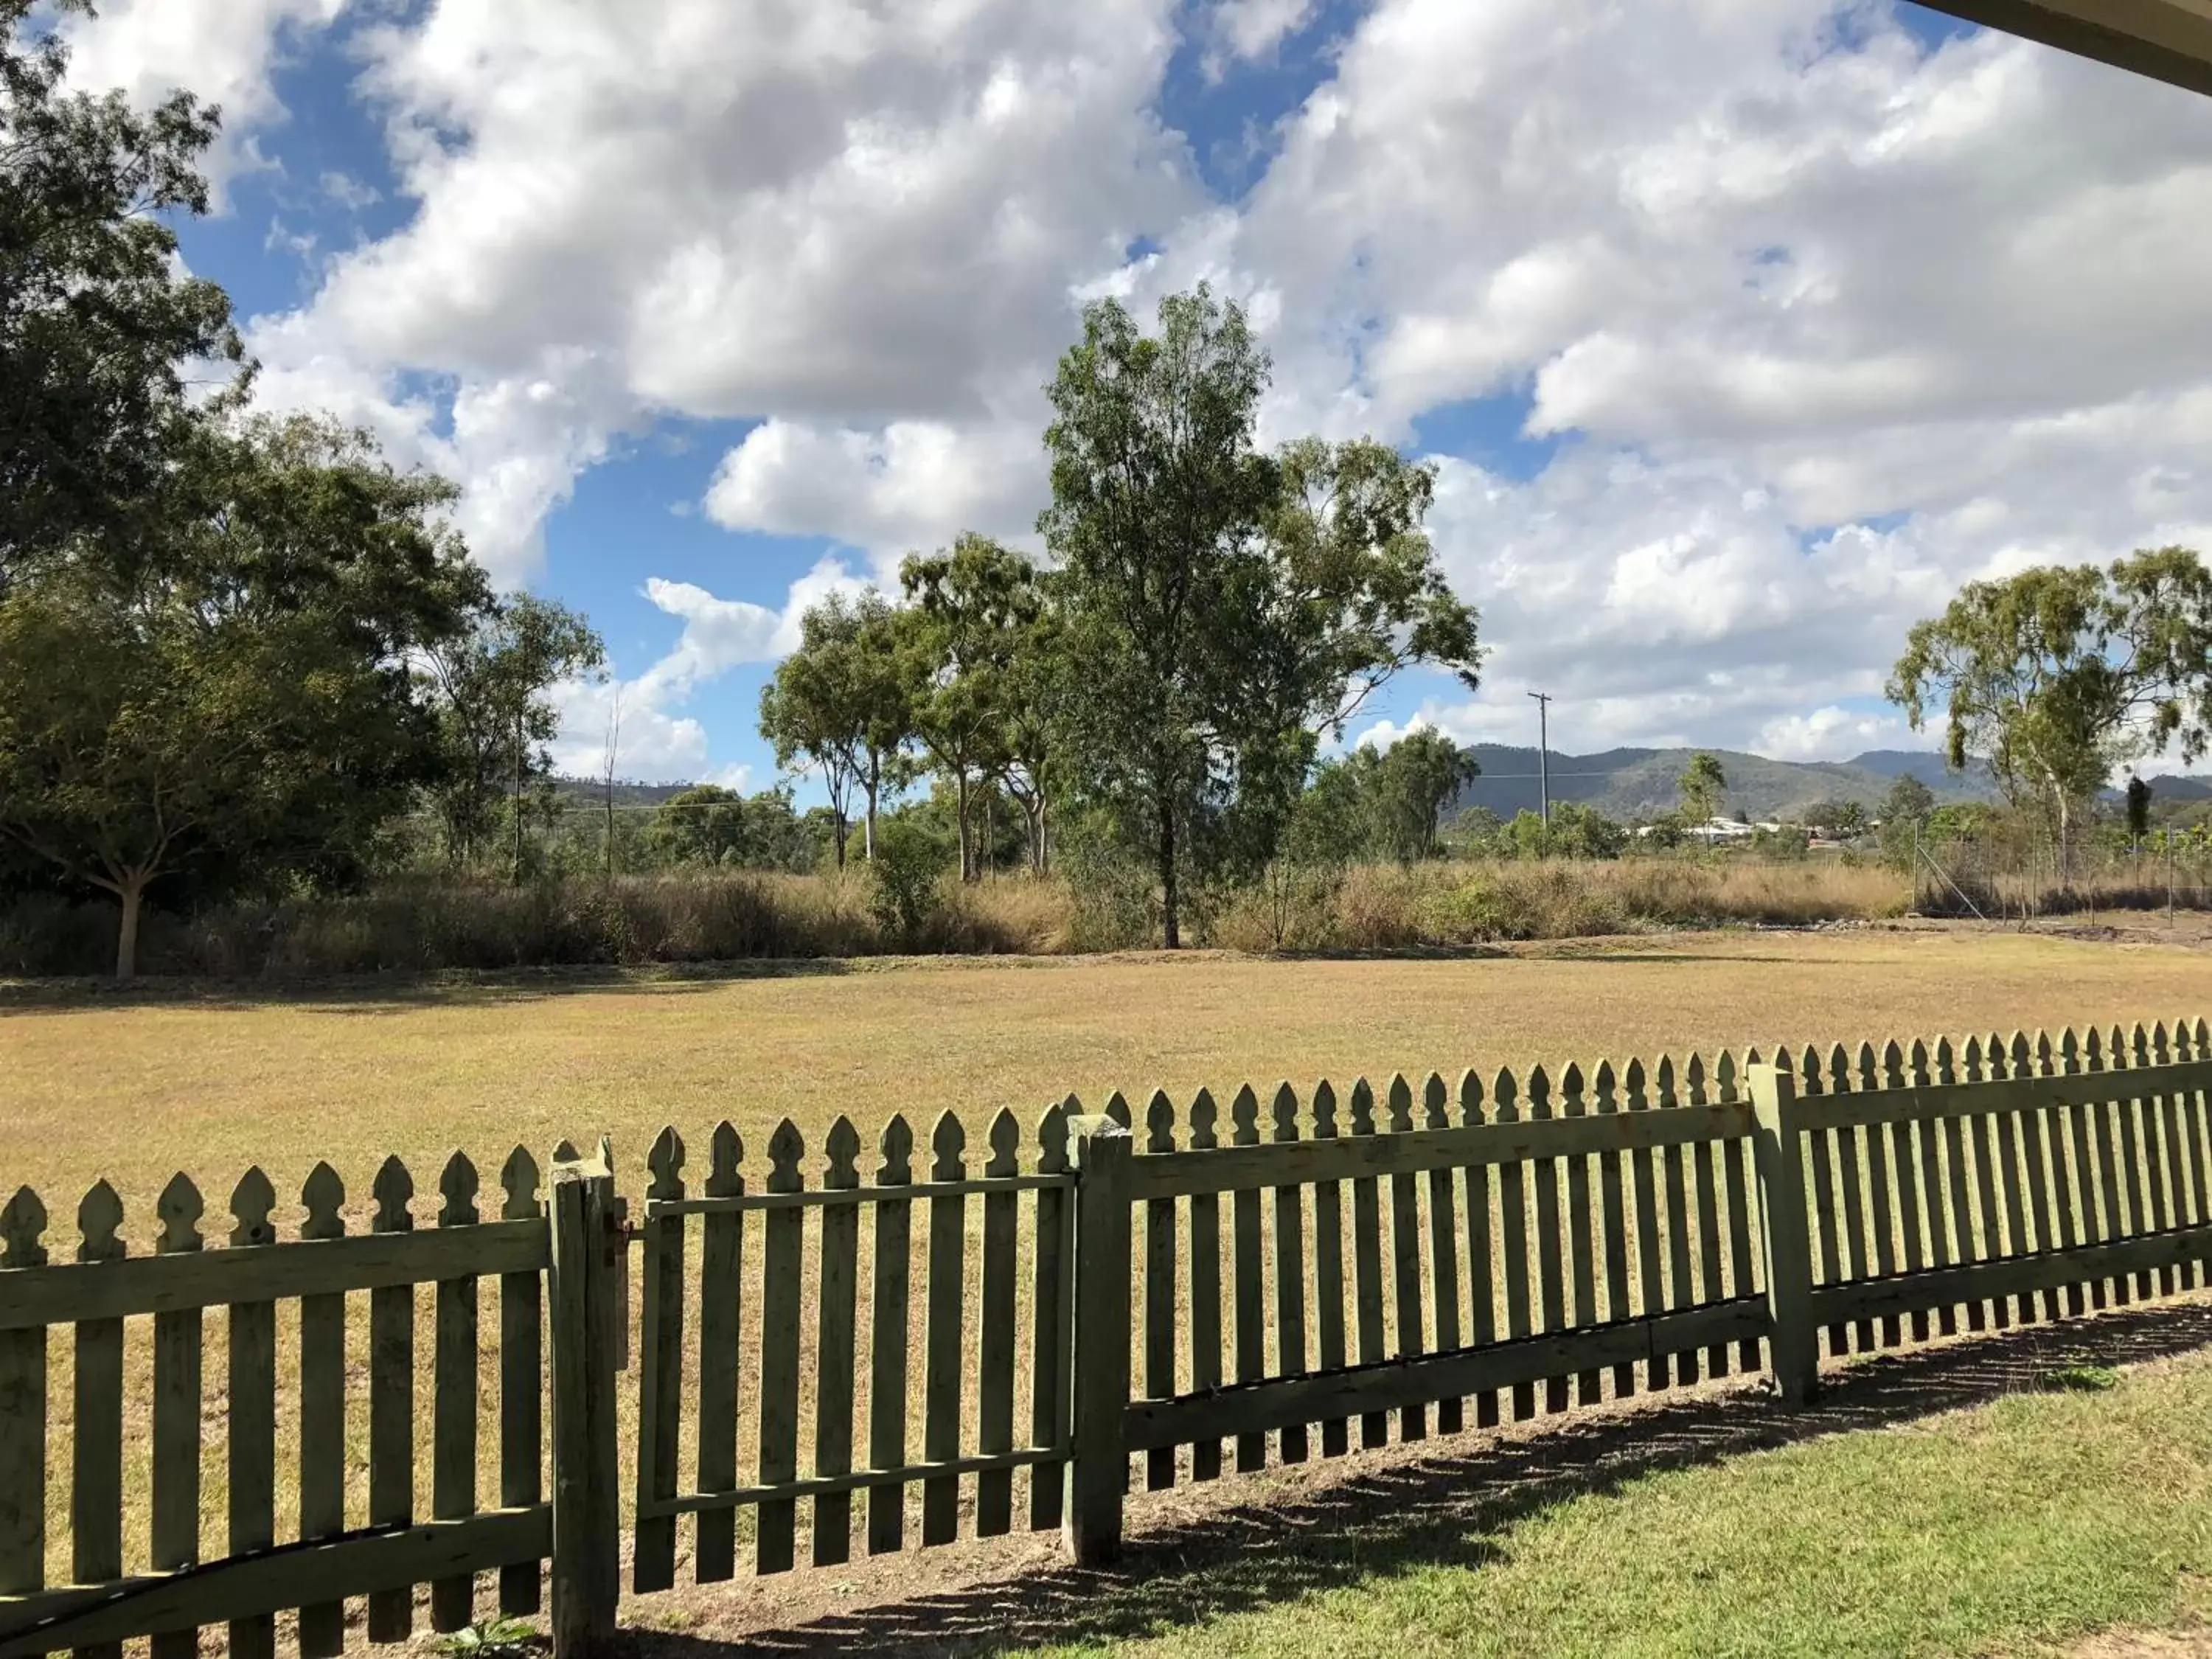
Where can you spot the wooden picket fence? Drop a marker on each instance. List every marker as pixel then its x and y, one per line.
pixel 1162 1288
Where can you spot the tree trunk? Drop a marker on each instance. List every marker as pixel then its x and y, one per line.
pixel 1044 844
pixel 1170 935
pixel 868 831
pixel 131 891
pixel 967 865
pixel 517 801
pixel 837 835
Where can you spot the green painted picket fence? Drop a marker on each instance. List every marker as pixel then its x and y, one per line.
pixel 1184 1290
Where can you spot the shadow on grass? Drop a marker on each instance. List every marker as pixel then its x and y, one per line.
pixel 1443 1510
pixel 371 994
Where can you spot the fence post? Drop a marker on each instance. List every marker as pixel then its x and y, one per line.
pixel 1098 1468
pixel 1792 1341
pixel 587 1245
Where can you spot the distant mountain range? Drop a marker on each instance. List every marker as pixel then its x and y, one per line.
pixel 1640 783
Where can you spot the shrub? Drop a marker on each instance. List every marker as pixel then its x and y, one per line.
pixel 907 870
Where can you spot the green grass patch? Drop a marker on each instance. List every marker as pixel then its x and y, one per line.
pixel 2080 1379
pixel 2032 1520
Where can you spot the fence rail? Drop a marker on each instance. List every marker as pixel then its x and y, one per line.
pixel 1181 1290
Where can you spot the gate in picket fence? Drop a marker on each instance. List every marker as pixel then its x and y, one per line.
pixel 1154 1287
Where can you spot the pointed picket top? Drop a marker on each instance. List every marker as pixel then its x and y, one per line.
pixel 1994 1066
pixel 1694 1081
pixel 1324 1108
pixel 179 1209
pixel 2183 1050
pixel 1203 1120
pixel 1783 1060
pixel 1570 1089
pixel 1869 1068
pixel 1505 1093
pixel 1947 1062
pixel 2201 1030
pixel 22 1221
pixel 518 1180
pixel 2023 1055
pixel 2115 1049
pixel 1362 1108
pixel 1006 1145
pixel 393 1187
pixel 323 1194
pixel 664 1161
pixel 457 1186
pixel 785 1149
pixel 894 1151
pixel 1434 1099
pixel 2094 1051
pixel 1539 1094
pixel 1892 1065
pixel 564 1150
pixel 1159 1122
pixel 1750 1056
pixel 947 1143
pixel 1633 1088
pixel 2070 1052
pixel 2139 1043
pixel 1117 1108
pixel 250 1201
pixel 1604 1089
pixel 1284 1112
pixel 1052 1141
pixel 1400 1097
pixel 1662 1083
pixel 1840 1069
pixel 1917 1064
pixel 98 1217
pixel 1470 1097
pixel 1244 1118
pixel 841 1154
pixel 2045 1056
pixel 1727 1073
pixel 1812 1072
pixel 1970 1060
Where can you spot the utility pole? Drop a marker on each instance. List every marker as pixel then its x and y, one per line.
pixel 1543 762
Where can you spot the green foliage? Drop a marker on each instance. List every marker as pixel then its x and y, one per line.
pixel 1157 495
pixel 971 610
pixel 2059 675
pixel 1223 608
pixel 235 703
pixel 707 826
pixel 495 717
pixel 1909 802
pixel 2138 807
pixel 2078 1379
pixel 98 319
pixel 1700 788
pixel 904 894
pixel 840 704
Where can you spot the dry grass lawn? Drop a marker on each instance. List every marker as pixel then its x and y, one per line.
pixel 131 1089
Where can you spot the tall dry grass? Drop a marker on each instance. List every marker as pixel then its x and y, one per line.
pixel 1382 908
pixel 428 927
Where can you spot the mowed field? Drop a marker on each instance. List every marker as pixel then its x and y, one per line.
pixel 134 1088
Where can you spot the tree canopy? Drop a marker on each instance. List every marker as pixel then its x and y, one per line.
pixel 2059 675
pixel 101 333
pixel 1222 607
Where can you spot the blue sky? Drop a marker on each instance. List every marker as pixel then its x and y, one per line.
pixel 1712 318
